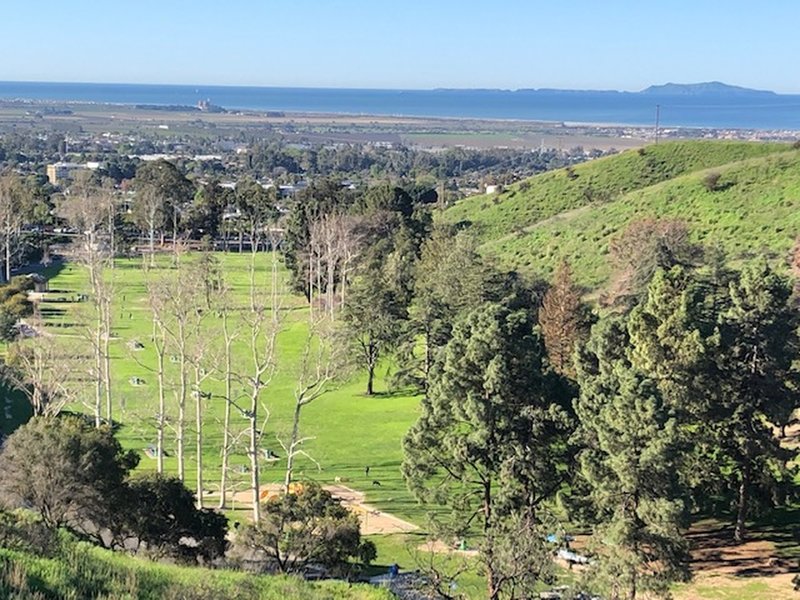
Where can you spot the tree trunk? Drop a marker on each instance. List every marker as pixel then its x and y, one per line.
pixel 181 411
pixel 107 353
pixel 162 403
pixel 226 428
pixel 152 243
pixel 743 501
pixel 198 422
pixel 253 451
pixel 7 270
pixel 98 366
pixel 491 579
pixel 370 378
pixel 292 443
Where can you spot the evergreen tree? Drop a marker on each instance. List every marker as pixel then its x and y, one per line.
pixel 721 349
pixel 491 438
pixel 373 320
pixel 630 462
pixel 757 384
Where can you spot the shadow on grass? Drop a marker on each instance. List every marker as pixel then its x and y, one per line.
pixel 771 546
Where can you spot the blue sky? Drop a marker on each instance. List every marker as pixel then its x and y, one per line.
pixel 597 44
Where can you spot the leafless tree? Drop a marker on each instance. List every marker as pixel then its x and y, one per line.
pixel 323 362
pixel 262 321
pixel 335 242
pixel 174 300
pixel 89 208
pixel 44 370
pixel 231 330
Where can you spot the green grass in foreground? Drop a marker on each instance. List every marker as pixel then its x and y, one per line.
pixel 82 571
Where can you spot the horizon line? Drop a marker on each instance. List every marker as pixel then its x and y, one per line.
pixel 389 89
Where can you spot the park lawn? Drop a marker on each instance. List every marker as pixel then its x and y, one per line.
pixel 348 430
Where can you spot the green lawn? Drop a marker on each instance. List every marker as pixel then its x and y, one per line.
pixel 349 429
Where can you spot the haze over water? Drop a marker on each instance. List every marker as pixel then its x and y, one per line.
pixel 708 110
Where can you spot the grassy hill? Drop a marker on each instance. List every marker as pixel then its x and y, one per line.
pixel 574 214
pixel 80 570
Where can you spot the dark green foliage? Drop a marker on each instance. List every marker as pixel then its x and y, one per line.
pixel 630 461
pixel 490 441
pixel 721 347
pixel 308 527
pixel 757 384
pixel 22 532
pixel 14 305
pixel 160 513
pixel 373 321
pixel 65 469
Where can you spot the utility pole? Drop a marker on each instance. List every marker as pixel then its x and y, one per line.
pixel 658 117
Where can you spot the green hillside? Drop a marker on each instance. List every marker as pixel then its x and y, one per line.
pixel 79 570
pixel 755 208
pixel 597 182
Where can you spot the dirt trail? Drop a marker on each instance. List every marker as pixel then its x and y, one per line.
pixel 372 519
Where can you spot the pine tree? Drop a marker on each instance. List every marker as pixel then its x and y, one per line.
pixel 492 432
pixel 758 386
pixel 631 463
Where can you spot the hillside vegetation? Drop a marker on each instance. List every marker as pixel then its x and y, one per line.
pixel 573 214
pixel 80 570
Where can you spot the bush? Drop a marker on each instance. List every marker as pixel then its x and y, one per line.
pixel 65 469
pixel 160 513
pixel 711 181
pixel 307 528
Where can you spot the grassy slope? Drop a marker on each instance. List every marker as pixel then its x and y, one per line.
pixel 596 182
pixel 83 571
pixel 757 211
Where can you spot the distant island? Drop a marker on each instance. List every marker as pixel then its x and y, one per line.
pixel 709 88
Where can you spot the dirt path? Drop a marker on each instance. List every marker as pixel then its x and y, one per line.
pixel 372 519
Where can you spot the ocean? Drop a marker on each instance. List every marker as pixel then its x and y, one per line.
pixel 726 111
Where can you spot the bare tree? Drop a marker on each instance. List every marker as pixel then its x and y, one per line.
pixel 175 302
pixel 323 362
pixel 334 245
pixel 262 320
pixel 230 333
pixel 88 208
pixel 44 370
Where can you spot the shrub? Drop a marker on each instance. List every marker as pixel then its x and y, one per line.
pixel 711 181
pixel 160 513
pixel 306 528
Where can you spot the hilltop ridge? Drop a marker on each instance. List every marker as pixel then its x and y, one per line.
pixel 708 88
pixel 573 213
